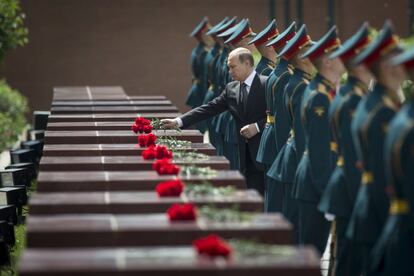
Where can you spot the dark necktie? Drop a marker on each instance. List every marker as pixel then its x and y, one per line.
pixel 244 95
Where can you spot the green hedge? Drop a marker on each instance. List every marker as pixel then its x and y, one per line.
pixel 13 107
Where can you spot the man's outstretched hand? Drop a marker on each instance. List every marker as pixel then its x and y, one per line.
pixel 248 131
pixel 169 123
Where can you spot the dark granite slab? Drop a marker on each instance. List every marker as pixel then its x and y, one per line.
pixel 100 230
pixel 133 202
pixel 110 109
pixel 76 126
pixel 128 117
pixel 125 180
pixel 120 163
pixel 165 261
pixel 113 103
pixel 111 149
pixel 110 137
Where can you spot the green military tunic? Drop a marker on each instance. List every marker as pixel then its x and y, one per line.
pixel 369 128
pixel 316 164
pixel 198 89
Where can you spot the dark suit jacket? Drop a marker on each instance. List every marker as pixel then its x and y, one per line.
pixel 230 100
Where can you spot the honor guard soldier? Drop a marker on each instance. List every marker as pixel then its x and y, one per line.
pixel 240 38
pixel 290 154
pixel 339 196
pixel 209 73
pixel 270 149
pixel 196 94
pixel 317 161
pixel 369 127
pixel 222 73
pixel 394 251
pixel 268 59
pixel 217 86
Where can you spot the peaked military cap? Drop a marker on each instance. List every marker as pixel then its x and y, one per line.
pixel 406 58
pixel 383 44
pixel 230 23
pixel 242 31
pixel 267 34
pixel 354 44
pixel 293 46
pixel 227 33
pixel 217 26
pixel 285 36
pixel 200 27
pixel 328 43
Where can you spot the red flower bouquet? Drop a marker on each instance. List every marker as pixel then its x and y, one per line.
pixel 170 188
pixel 164 166
pixel 149 153
pixel 146 140
pixel 179 212
pixel 141 125
pixel 212 245
pixel 163 152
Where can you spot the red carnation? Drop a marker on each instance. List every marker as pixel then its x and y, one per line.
pixel 147 128
pixel 163 152
pixel 170 188
pixel 134 128
pixel 149 153
pixel 185 211
pixel 142 140
pixel 151 138
pixel 160 163
pixel 212 245
pixel 169 169
pixel 146 140
pixel 141 125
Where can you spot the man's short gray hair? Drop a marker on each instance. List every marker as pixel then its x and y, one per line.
pixel 243 54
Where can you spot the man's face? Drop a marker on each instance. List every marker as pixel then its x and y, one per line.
pixel 338 66
pixel 238 71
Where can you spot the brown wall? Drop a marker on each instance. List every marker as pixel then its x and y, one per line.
pixel 144 45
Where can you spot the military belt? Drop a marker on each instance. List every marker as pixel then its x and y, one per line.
pixel 340 161
pixel 367 178
pixel 399 207
pixel 334 146
pixel 270 119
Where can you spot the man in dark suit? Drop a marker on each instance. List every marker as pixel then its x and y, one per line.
pixel 245 99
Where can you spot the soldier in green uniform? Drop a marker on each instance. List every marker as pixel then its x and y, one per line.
pixel 196 94
pixel 222 73
pixel 276 125
pixel 339 197
pixel 209 73
pixel 394 251
pixel 239 38
pixel 317 161
pixel 290 154
pixel 369 127
pixel 268 59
